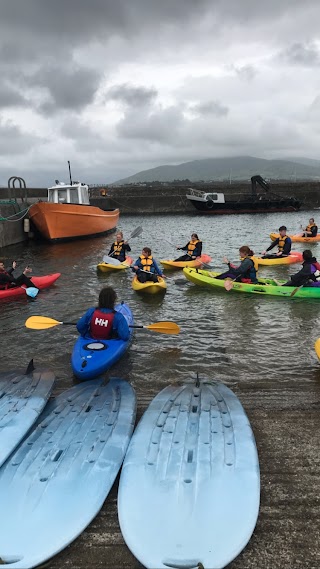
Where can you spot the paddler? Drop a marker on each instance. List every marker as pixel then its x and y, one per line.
pixel 307 276
pixel 193 249
pixel 119 247
pixel 7 280
pixel 103 321
pixel 146 267
pixel 246 272
pixel 284 245
pixel 311 230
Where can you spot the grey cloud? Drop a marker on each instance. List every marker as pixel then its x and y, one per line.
pixel 210 108
pixel 13 141
pixel 10 97
pixel 132 96
pixel 302 55
pixel 67 89
pixel 160 126
pixel 246 72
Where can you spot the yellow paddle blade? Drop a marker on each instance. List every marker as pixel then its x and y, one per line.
pixel 164 327
pixel 41 322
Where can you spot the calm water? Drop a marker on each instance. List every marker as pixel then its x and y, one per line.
pixel 236 338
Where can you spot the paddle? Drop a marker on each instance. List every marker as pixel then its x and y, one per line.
pixel 108 258
pixel 228 284
pixel 43 322
pixel 296 290
pixel 31 291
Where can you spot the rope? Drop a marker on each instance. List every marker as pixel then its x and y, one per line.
pixel 21 214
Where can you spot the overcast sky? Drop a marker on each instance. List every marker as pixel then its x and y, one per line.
pixel 119 86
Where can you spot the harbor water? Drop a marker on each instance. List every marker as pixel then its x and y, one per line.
pixel 261 347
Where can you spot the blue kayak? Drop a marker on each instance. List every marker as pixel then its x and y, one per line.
pixel 90 358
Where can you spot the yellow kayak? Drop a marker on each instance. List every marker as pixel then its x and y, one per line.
pixel 108 267
pixel 195 263
pixel 317 347
pixel 294 257
pixel 297 238
pixel 149 287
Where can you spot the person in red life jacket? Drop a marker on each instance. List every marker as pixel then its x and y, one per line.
pixel 307 275
pixel 119 247
pixel 311 230
pixel 104 322
pixel 7 280
pixel 246 272
pixel 146 267
pixel 193 249
pixel 284 245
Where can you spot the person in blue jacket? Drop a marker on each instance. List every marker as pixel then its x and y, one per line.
pixel 146 267
pixel 104 322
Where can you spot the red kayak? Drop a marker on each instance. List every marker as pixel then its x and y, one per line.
pixel 39 282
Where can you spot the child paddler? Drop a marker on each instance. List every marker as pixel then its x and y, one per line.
pixel 146 267
pixel 246 272
pixel 284 245
pixel 119 247
pixel 193 249
pixel 307 275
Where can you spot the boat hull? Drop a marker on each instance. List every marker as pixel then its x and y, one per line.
pixel 149 287
pixel 246 205
pixel 57 221
pixel 207 278
pixel 198 262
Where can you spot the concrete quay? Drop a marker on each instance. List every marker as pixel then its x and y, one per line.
pixel 286 423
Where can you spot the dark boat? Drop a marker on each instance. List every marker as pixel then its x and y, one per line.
pixel 217 203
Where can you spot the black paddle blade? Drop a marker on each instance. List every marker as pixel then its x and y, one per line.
pixel 30 368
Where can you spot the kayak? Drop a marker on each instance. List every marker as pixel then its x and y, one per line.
pixel 297 238
pixel 294 257
pixel 317 347
pixel 90 358
pixel 149 287
pixel 264 286
pixel 198 262
pixel 39 282
pixel 108 267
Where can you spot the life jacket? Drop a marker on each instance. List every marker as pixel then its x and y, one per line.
pixel 310 226
pixel 146 262
pixel 191 247
pixel 251 275
pixel 281 243
pixel 117 248
pixel 101 324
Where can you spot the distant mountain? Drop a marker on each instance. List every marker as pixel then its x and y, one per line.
pixel 236 168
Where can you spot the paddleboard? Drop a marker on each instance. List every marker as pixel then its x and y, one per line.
pixel 57 480
pixel 90 358
pixel 22 398
pixel 190 484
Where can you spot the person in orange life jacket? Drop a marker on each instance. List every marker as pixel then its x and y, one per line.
pixel 307 275
pixel 284 245
pixel 104 322
pixel 193 248
pixel 146 267
pixel 7 280
pixel 246 272
pixel 311 230
pixel 119 247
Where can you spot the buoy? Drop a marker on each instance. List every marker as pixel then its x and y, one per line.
pixel 26 225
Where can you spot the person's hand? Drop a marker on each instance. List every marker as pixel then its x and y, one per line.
pixel 263 253
pixel 279 254
pixel 27 270
pixel 135 267
pixel 14 264
pixel 225 260
pixel 178 248
pixel 125 242
pixel 163 276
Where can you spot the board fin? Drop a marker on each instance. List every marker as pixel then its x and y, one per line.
pixel 30 367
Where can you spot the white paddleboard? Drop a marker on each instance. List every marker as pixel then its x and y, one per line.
pixel 22 398
pixel 57 480
pixel 190 486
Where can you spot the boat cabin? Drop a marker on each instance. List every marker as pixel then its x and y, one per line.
pixel 199 195
pixel 75 193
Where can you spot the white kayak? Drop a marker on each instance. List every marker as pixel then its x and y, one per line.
pixel 57 480
pixel 190 485
pixel 22 398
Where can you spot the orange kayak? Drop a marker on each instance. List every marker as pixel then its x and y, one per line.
pixel 194 263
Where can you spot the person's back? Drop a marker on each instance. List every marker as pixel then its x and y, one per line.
pixel 103 322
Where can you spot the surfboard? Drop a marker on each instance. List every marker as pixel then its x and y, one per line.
pixel 22 398
pixel 57 480
pixel 190 484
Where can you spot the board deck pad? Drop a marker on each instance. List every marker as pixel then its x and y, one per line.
pixel 57 480
pixel 190 485
pixel 22 398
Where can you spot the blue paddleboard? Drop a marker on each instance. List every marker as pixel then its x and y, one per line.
pixel 190 486
pixel 91 358
pixel 22 398
pixel 57 480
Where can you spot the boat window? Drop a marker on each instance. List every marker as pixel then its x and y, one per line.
pixel 62 196
pixel 74 195
pixel 213 197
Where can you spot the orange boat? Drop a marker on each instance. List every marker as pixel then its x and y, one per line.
pixel 68 214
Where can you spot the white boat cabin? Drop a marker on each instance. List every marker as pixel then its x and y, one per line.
pixel 75 193
pixel 199 195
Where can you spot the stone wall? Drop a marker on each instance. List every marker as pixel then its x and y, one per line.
pixel 11 232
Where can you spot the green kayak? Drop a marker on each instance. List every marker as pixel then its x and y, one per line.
pixel 264 286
